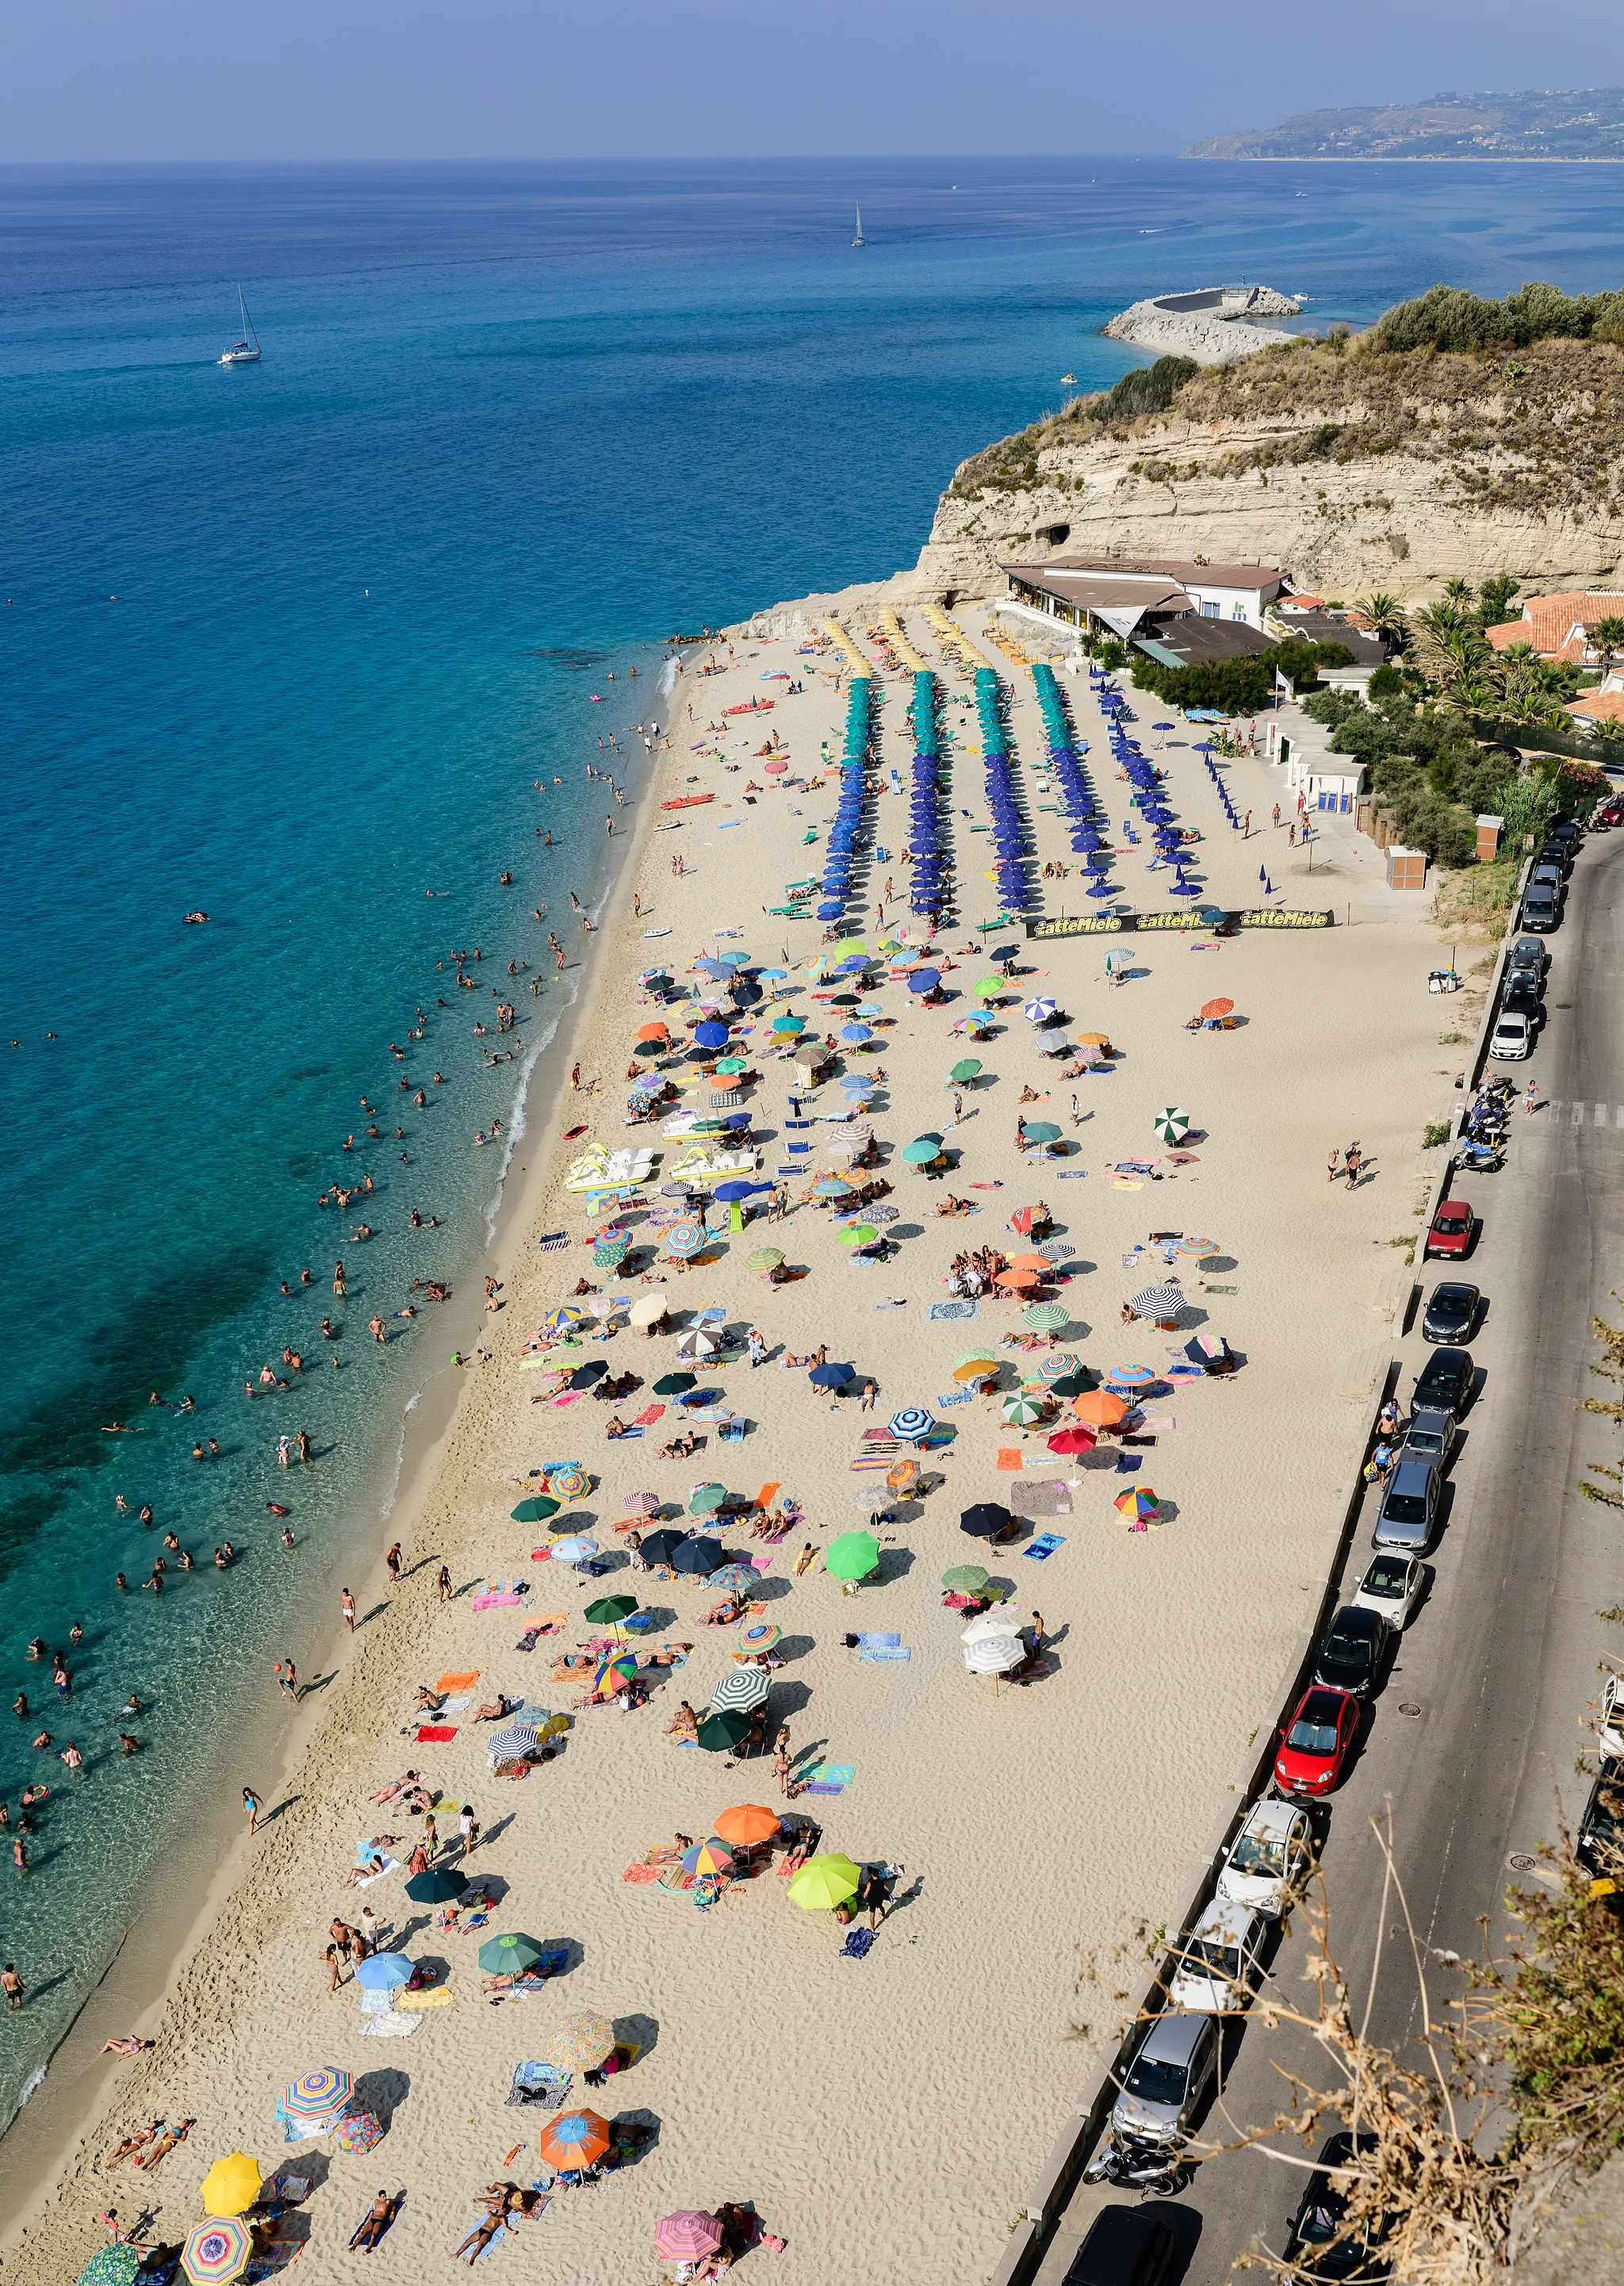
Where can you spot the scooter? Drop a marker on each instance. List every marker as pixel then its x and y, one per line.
pixel 1161 2169
pixel 1481 1159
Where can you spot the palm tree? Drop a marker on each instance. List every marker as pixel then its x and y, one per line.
pixel 1384 614
pixel 1457 591
pixel 1606 639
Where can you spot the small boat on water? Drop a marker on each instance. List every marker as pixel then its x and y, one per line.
pixel 859 240
pixel 245 349
pixel 1067 378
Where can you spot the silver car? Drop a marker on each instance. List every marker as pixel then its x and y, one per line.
pixel 1431 1436
pixel 1269 1859
pixel 1218 1966
pixel 1409 1508
pixel 1165 2084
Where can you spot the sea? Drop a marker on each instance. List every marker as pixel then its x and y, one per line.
pixel 324 647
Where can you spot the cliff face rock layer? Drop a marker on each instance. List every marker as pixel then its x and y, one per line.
pixel 1351 468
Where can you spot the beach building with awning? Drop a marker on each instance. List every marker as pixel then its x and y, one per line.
pixel 1087 590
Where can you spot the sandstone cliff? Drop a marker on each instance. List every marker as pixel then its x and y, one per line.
pixel 1351 468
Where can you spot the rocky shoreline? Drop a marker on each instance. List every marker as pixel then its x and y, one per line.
pixel 1214 325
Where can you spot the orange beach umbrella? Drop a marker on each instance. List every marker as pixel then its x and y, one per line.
pixel 1099 1407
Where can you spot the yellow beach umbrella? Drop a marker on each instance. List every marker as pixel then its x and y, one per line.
pixel 825 1881
pixel 231 2184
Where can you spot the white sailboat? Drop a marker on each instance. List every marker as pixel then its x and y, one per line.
pixel 859 240
pixel 245 349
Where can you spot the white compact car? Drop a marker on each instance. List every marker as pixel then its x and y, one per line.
pixel 1609 1728
pixel 1392 1585
pixel 1218 1968
pixel 1270 1858
pixel 1511 1039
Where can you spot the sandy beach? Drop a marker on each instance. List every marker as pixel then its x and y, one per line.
pixel 885 2114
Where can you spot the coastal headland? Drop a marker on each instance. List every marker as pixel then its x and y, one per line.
pixel 843 2091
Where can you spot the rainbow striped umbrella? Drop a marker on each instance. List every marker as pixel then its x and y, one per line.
pixel 217 2251
pixel 569 1484
pixel 1057 1366
pixel 614 1675
pixel 712 1857
pixel 760 1636
pixel 1138 1501
pixel 317 2094
pixel 684 1238
pixel 1130 1376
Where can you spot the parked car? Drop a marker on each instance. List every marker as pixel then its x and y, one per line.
pixel 1539 911
pixel 1128 2246
pixel 1511 1041
pixel 1450 1232
pixel 1451 1313
pixel 1529 953
pixel 1320 2214
pixel 1317 1741
pixel 1601 1829
pixel 1269 1859
pixel 1566 829
pixel 1444 1383
pixel 1610 1724
pixel 1163 2087
pixel 1548 873
pixel 1218 1966
pixel 1392 1585
pixel 1555 851
pixel 1407 1517
pixel 1524 995
pixel 1610 813
pixel 1431 1437
pixel 1353 1651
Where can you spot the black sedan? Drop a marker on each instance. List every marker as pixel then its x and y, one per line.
pixel 1321 2216
pixel 1445 1382
pixel 1451 1313
pixel 1600 1846
pixel 1523 998
pixel 1354 1652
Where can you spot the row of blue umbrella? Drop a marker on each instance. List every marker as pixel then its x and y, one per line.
pixel 1219 787
pixel 1149 798
pixel 1077 800
pixel 1012 841
pixel 929 886
pixel 847 826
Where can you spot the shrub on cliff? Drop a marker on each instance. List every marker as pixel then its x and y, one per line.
pixel 1446 319
pixel 1148 389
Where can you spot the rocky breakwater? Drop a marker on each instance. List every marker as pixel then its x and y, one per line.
pixel 1215 325
pixel 1348 467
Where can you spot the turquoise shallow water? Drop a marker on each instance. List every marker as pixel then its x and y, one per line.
pixel 293 644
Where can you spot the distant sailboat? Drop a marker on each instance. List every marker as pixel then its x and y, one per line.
pixel 859 240
pixel 245 349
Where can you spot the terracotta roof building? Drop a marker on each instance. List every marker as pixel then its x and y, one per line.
pixel 1557 627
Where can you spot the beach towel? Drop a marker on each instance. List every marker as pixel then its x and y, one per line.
pixel 641 1873
pixel 886 1652
pixel 1010 1457
pixel 828 1778
pixel 389 2028
pixel 955 1397
pixel 1128 1464
pixel 435 1734
pixel 763 1499
pixel 440 1996
pixel 385 1865
pixel 1040 1497
pixel 856 1944
pixel 465 1680
pixel 1043 1546
pixel 567 1396
pixel 493 1603
pixel 878 1642
pixel 553 1242
pixel 650 1415
pixel 455 1704
pixel 940 1310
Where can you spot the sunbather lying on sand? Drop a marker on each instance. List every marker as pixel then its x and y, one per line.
pixel 494 1710
pixel 130 2144
pixel 723 1614
pixel 165 2144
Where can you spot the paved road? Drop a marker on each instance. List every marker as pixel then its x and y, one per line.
pixel 1499 1662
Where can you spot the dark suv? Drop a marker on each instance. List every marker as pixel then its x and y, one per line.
pixel 1354 1652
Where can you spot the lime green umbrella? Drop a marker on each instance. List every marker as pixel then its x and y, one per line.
pixel 858 1233
pixel 963 1073
pixel 965 1579
pixel 825 1881
pixel 500 1954
pixel 853 1555
pixel 989 988
pixel 922 1150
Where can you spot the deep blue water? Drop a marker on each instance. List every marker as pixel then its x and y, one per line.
pixel 293 643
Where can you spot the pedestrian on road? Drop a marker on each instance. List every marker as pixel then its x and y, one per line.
pixel 1531 1100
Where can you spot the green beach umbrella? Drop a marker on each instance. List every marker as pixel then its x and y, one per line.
pixel 1171 1124
pixel 922 1150
pixel 609 1611
pixel 704 1500
pixel 1019 1411
pixel 1043 1131
pixel 989 988
pixel 858 1233
pixel 113 2266
pixel 962 1074
pixel 731 1064
pixel 965 1579
pixel 536 1510
pixel 825 1881
pixel 1044 1317
pixel 674 1385
pixel 721 1732
pixel 765 1257
pixel 853 1555
pixel 499 1955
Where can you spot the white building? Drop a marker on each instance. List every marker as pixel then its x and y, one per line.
pixel 1326 781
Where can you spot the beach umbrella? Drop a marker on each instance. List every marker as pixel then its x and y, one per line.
pixel 712 1857
pixel 641 1503
pixel 1076 1439
pixel 858 1233
pixel 699 1344
pixel 1013 1280
pixel 661 1547
pixel 383 1972
pixel 711 1035
pixel 831 1376
pixel 1130 1376
pixel 317 2094
pixel 994 1654
pixel 697 1557
pixel 730 1193
pixel 1196 1249
pixel 1157 1302
pixel 687 2236
pixel 825 1881
pixel 987 1626
pixel 113 2265
pixel 851 1556
pixel 674 1385
pixel 965 1579
pixel 832 1186
pixel 988 988
pixel 438 1887
pixel 722 1731
pixel 977 1366
pixel 231 2185
pixel 608 1253
pixel 583 2041
pixel 1020 1411
pixel 215 2252
pixel 922 1150
pixel 1039 1010
pixel 985 1520
pixel 911 1423
pixel 569 1484
pixel 684 1238
pixel 1060 1365
pixel 536 1510
pixel 854 1034
pixel 735 1577
pixel 744 1687
pixel 575 2139
pixel 765 1257
pixel 614 1674
pixel 730 1065
pixel 789 1023
pixel 1093 1039
pixel 747 1822
pixel 577 1549
pixel 648 1309
pixel 704 1500
pixel 1138 1501
pixel 1171 1124
pixel 963 1072
pixel 511 1951
pixel 609 1611
pixel 1211 1010
pixel 1205 1346
pixel 1042 1131
pixel 760 1636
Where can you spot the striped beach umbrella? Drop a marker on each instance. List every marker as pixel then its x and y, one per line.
pixel 684 1239
pixel 1057 1366
pixel 687 2236
pixel 744 1688
pixel 902 1476
pixel 911 1423
pixel 1038 1011
pixel 1044 1317
pixel 575 2139
pixel 1021 1411
pixel 641 1503
pixel 1138 1501
pixel 1196 1249
pixel 513 1744
pixel 1130 1376
pixel 216 2252
pixel 765 1257
pixel 569 1484
pixel 583 2040
pixel 1157 1302
pixel 317 2094
pixel 562 1318
pixel 760 1636
pixel 1171 1124
pixel 965 1579
pixel 712 1857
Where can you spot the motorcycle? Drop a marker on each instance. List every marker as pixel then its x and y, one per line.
pixel 1161 2169
pixel 1481 1159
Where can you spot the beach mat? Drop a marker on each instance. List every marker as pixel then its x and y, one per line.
pixel 464 1679
pixel 440 1997
pixel 1043 1546
pixel 888 1651
pixel 1038 1496
pixel 435 1734
pixel 875 1641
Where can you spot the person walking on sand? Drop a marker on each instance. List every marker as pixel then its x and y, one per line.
pixel 347 1603
pixel 468 1826
pixel 391 1558
pixel 781 1762
pixel 1354 1160
pixel 443 1584
pixel 288 1680
pixel 251 1803
pixel 1331 1166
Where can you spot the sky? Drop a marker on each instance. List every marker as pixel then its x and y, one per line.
pixel 197 80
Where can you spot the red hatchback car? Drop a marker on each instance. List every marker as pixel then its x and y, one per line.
pixel 1317 1742
pixel 1450 1229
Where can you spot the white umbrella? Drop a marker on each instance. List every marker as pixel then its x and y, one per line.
pixel 987 1627
pixel 697 1343
pixel 994 1654
pixel 573 1551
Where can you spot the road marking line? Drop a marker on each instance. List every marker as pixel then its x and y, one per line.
pixel 1578 1115
pixel 1601 1114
